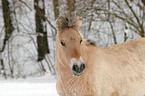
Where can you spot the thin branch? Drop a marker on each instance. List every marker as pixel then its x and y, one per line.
pixel 130 7
pixel 143 16
pixel 48 64
pixel 142 29
pixel 15 16
pixel 113 33
pixel 112 29
pixel 52 66
pixel 50 23
pixel 124 19
pixel 122 11
pixel 40 14
pixel 9 61
pixel 26 4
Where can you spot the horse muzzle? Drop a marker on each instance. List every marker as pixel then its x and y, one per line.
pixel 77 66
pixel 78 70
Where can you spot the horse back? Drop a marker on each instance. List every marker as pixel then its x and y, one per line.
pixel 136 46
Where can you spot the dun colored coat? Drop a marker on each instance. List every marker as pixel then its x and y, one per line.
pixel 118 70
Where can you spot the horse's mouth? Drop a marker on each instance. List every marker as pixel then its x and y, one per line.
pixel 77 74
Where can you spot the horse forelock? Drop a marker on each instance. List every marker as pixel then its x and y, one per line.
pixel 67 21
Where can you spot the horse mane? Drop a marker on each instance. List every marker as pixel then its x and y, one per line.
pixel 67 21
pixel 90 42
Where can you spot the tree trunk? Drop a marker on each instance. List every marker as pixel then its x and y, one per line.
pixel 56 8
pixel 7 22
pixel 143 1
pixel 2 69
pixel 90 22
pixel 71 5
pixel 41 29
pixel 110 23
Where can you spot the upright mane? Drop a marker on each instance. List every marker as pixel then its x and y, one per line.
pixel 67 21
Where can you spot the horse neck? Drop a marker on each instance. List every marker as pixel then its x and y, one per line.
pixel 90 52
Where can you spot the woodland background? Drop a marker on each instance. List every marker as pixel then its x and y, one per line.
pixel 27 31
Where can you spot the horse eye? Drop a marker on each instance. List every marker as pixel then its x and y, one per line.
pixel 80 41
pixel 62 43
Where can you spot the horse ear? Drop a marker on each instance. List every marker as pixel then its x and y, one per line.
pixel 60 24
pixel 79 23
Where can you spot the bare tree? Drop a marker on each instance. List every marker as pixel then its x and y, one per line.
pixel 56 8
pixel 8 32
pixel 41 29
pixel 2 68
pixel 90 22
pixel 131 16
pixel 7 22
pixel 71 5
pixel 111 25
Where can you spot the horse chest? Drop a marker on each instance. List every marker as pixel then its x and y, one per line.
pixel 77 88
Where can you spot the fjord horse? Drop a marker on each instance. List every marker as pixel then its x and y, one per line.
pixel 87 70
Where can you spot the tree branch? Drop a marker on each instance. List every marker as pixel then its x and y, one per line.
pixel 124 19
pixel 130 7
pixel 26 4
pixel 123 11
pixel 141 32
pixel 40 14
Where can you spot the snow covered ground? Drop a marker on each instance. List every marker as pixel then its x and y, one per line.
pixel 40 86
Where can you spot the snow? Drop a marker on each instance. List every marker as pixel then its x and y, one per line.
pixel 40 86
pixel 40 2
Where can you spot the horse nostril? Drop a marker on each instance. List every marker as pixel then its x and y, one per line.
pixel 82 67
pixel 78 69
pixel 75 68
